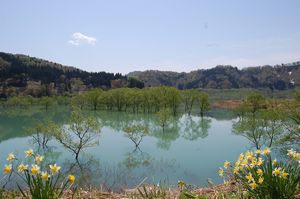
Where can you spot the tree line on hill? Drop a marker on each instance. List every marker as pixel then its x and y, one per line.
pixel 24 75
pixel 21 74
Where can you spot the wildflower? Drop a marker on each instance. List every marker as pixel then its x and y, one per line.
pixel 35 169
pixel 226 164
pixel 226 183
pixel 284 175
pixel 237 163
pixel 267 151
pixel 259 161
pixel 259 172
pixel 39 159
pixel 258 151
pixel 260 180
pixel 10 157
pixel 236 170
pixel 54 168
pixel 297 156
pixel 244 163
pixel 253 163
pixel 7 169
pixel 249 177
pixel 45 176
pixel 253 185
pixel 71 179
pixel 241 157
pixel 29 153
pixel 277 171
pixel 249 155
pixel 221 172
pixel 274 162
pixel 22 167
pixel 291 152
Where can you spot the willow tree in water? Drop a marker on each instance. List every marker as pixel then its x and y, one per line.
pixel 81 132
pixel 203 103
pixel 163 117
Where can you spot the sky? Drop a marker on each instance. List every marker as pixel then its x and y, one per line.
pixel 137 35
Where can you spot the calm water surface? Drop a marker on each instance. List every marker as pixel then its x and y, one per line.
pixel 190 149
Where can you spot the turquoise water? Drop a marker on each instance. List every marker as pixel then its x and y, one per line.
pixel 190 149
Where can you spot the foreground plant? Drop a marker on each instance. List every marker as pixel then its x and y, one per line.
pixel 264 177
pixel 40 184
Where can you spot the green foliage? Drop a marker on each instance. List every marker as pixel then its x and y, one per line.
pixel 163 117
pixel 46 102
pixel 189 97
pixel 255 101
pixel 80 133
pixel 203 103
pixel 136 133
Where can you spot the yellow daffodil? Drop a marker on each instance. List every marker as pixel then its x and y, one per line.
pixel 249 177
pixel 249 155
pixel 71 179
pixel 45 176
pixel 54 168
pixel 22 167
pixel 39 159
pixel 291 152
pixel 244 163
pixel 253 185
pixel 253 163
pixel 297 156
pixel 277 171
pixel 241 157
pixel 284 175
pixel 260 180
pixel 259 172
pixel 237 163
pixel 35 169
pixel 221 172
pixel 274 162
pixel 29 153
pixel 7 169
pixel 226 164
pixel 258 151
pixel 236 170
pixel 267 151
pixel 10 157
pixel 259 162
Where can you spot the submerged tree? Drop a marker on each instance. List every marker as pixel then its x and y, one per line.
pixel 163 117
pixel 291 110
pixel 136 133
pixel 80 133
pixel 203 103
pixel 46 102
pixel 189 98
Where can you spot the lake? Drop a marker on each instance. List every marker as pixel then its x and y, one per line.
pixel 191 148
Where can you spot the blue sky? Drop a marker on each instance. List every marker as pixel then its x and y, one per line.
pixel 128 35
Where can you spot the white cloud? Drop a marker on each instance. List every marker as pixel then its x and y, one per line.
pixel 79 38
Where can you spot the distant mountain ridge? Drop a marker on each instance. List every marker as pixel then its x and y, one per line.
pixel 25 75
pixel 280 77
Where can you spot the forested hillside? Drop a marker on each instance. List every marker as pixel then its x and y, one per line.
pixel 24 75
pixel 21 74
pixel 279 77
